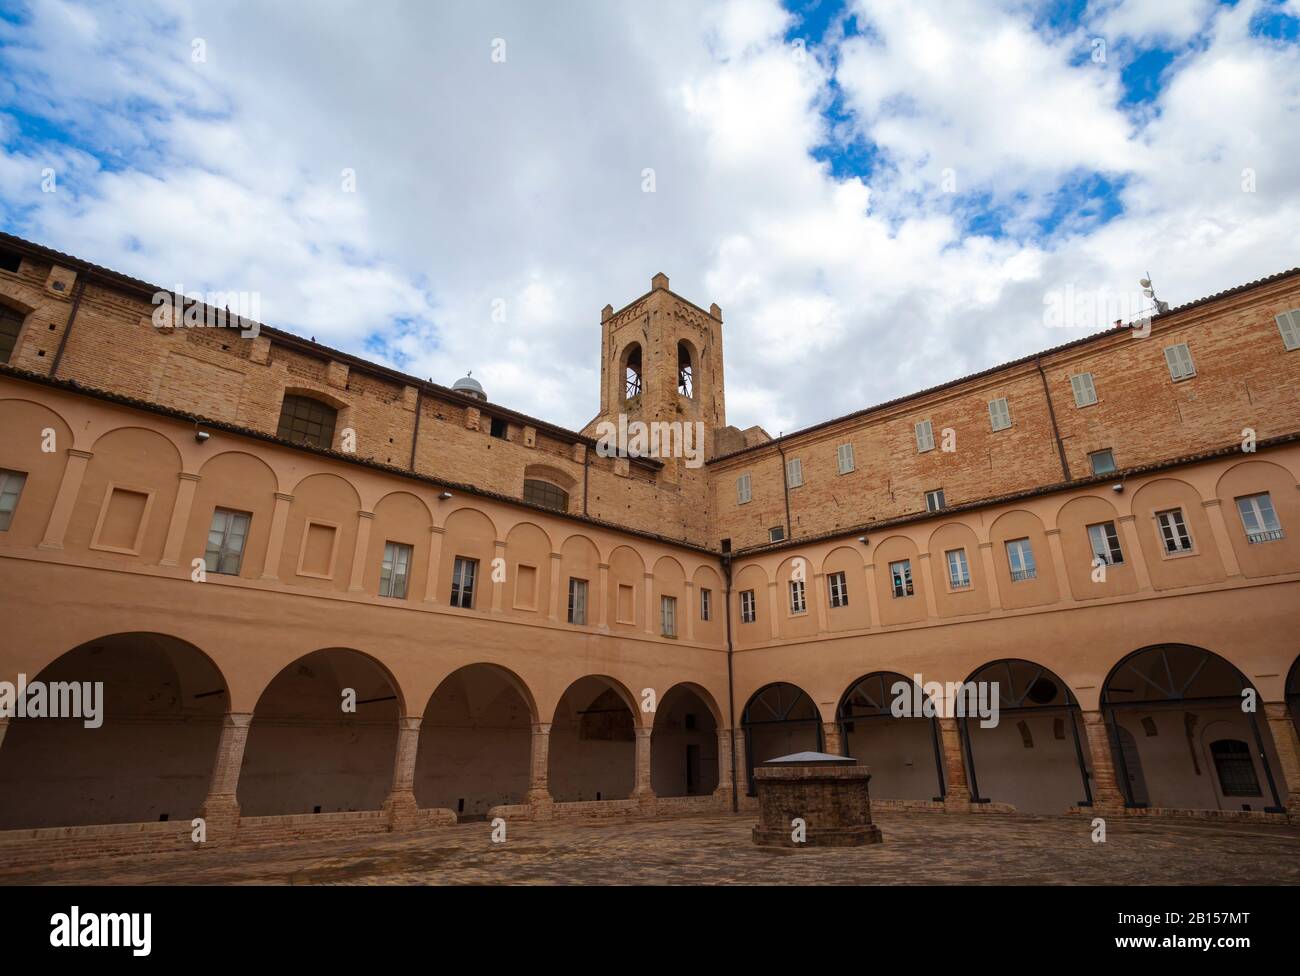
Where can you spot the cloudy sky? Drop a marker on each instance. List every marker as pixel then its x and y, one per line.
pixel 881 194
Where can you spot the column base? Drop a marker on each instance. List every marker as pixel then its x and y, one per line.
pixel 220 815
pixel 401 810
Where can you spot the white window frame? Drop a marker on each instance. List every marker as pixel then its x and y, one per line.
pixel 900 578
pixel 1085 389
pixel 212 557
pixel 1020 560
pixel 744 489
pixel 1093 464
pixel 748 607
pixel 958 569
pixel 11 492
pixel 934 500
pixel 837 584
pixel 464 580
pixel 844 458
pixel 577 601
pixel 706 602
pixel 924 437
pixel 776 533
pixel 1288 323
pixel 1268 528
pixel 1178 358
pixel 798 597
pixel 668 616
pixel 1103 538
pixel 395 570
pixel 1171 527
pixel 999 414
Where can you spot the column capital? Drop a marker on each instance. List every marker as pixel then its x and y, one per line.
pixel 238 720
pixel 436 529
pixel 541 728
pixel 410 723
pixel 283 496
pixel 362 513
pixel 644 731
pixel 189 476
pixel 78 453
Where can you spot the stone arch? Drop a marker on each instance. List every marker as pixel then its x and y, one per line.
pixel 684 752
pixel 1020 586
pixel 910 607
pixel 43 470
pixel 1203 564
pixel 631 372
pixel 1158 701
pixel 855 614
pixel 528 570
pixel 1264 551
pixel 306 753
pixel 904 751
pixel 127 495
pixel 1074 520
pixel 688 369
pixel 321 532
pixel 236 481
pixel 1033 756
pixel 160 708
pixel 593 747
pixel 751 578
pixel 580 560
pixel 475 741
pixel 779 719
pixel 670 582
pixel 468 533
pixel 792 622
pixel 401 518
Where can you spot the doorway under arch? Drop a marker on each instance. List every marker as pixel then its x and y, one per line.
pixel 780 719
pixel 904 753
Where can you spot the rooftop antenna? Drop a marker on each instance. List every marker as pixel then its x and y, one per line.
pixel 1149 292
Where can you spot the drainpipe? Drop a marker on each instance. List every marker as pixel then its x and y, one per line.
pixel 1060 445
pixel 785 486
pixel 731 686
pixel 72 317
pixel 586 467
pixel 415 434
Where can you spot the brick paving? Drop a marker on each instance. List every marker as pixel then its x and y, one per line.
pixel 918 848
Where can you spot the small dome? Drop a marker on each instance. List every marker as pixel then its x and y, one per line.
pixel 470 387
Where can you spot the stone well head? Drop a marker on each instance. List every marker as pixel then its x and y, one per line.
pixel 813 799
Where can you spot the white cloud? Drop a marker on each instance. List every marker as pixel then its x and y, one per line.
pixel 521 181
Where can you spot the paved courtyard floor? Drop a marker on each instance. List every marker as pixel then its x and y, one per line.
pixel 918 848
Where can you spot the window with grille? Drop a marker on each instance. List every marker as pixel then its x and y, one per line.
pixel 934 500
pixel 1103 462
pixel 958 569
pixel 1105 543
pixel 499 428
pixel 706 603
pixel 798 603
pixel 1020 557
pixel 307 421
pixel 395 571
pixel 1179 359
pixel 844 458
pixel 744 490
pixel 794 472
pixel 1085 392
pixel 225 550
pixel 577 601
pixel 748 609
pixel 462 582
pixel 900 574
pixel 1288 323
pixel 1173 531
pixel 11 323
pixel 839 589
pixel 1236 769
pixel 668 616
pixel 924 437
pixel 546 494
pixel 999 414
pixel 1258 518
pixel 11 487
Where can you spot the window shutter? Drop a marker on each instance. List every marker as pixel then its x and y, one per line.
pixel 1288 324
pixel 1179 360
pixel 1085 393
pixel 924 436
pixel 794 472
pixel 845 458
pixel 999 414
pixel 742 489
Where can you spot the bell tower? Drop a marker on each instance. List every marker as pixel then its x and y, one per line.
pixel 661 360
